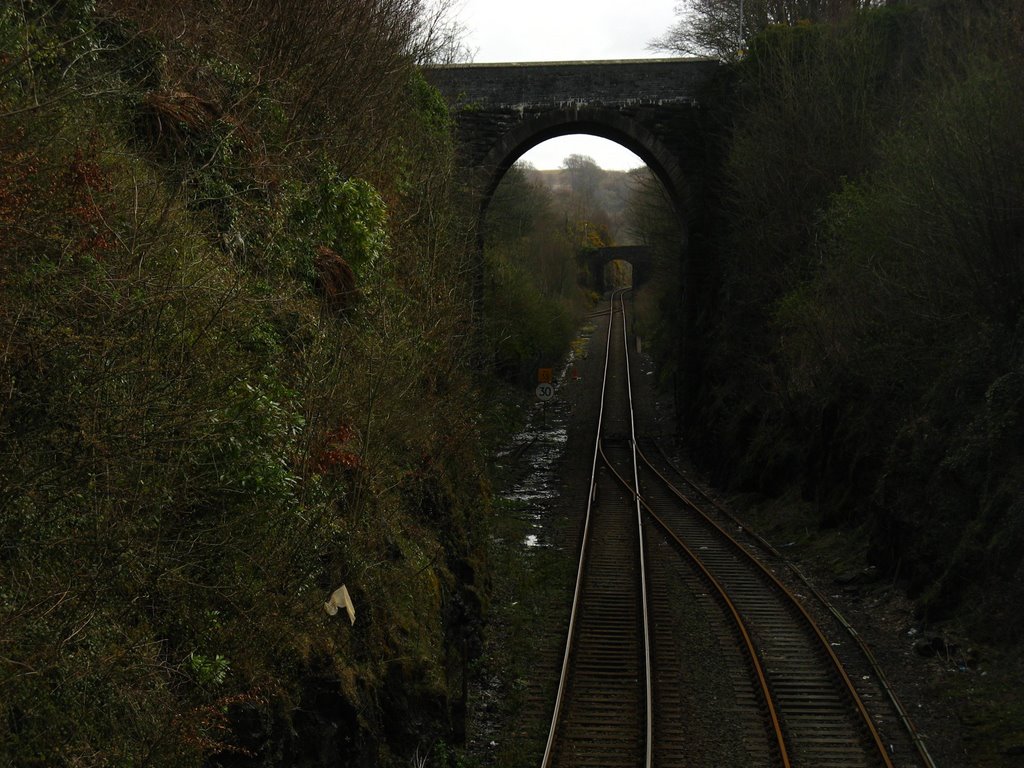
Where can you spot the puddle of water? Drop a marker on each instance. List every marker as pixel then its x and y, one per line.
pixel 543 442
pixel 538 487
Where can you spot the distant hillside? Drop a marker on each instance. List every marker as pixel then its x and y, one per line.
pixel 610 195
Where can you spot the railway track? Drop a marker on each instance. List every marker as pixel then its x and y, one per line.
pixel 625 694
pixel 602 708
pixel 896 731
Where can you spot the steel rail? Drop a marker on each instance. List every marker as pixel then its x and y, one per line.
pixel 649 756
pixel 723 595
pixel 574 611
pixel 813 626
pixel 865 648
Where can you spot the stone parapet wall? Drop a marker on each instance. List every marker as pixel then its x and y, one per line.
pixel 561 84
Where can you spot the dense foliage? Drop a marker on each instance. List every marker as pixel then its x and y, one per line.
pixel 534 291
pixel 865 341
pixel 234 301
pixel 653 222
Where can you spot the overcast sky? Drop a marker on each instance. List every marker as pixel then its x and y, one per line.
pixel 566 30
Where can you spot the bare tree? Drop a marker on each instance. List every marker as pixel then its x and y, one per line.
pixel 339 67
pixel 584 178
pixel 722 27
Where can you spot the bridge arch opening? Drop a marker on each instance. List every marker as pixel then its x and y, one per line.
pixel 600 200
pixel 603 123
pixel 558 236
pixel 607 154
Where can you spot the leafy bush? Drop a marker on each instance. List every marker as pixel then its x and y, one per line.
pixel 532 301
pixel 346 214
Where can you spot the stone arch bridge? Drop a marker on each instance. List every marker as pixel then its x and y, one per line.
pixel 650 106
pixel 640 258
